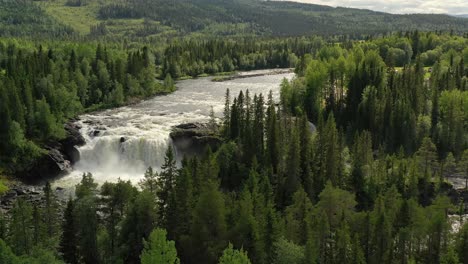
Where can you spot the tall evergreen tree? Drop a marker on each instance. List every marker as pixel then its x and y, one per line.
pixel 69 239
pixel 158 250
pixel 166 184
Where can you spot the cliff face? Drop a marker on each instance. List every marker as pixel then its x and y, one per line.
pixel 61 155
pixel 193 138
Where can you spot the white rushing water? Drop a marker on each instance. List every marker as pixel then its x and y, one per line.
pixel 124 142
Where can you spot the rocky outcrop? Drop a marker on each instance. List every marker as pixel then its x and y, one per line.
pixel 74 139
pixel 59 157
pixel 32 194
pixel 193 138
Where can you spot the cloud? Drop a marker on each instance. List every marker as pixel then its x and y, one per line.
pixel 400 6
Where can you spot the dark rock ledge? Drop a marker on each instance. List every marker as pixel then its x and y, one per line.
pixel 193 138
pixel 61 156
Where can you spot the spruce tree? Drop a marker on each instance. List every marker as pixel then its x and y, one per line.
pixel 87 227
pixel 69 239
pixel 158 250
pixel 20 233
pixel 233 256
pixel 50 212
pixel 166 184
pixel 227 115
pixel 209 224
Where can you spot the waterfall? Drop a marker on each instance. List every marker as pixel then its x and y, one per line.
pixel 124 142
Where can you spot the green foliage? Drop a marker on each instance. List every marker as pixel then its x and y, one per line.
pixel 201 18
pixel 3 187
pixel 361 185
pixel 233 256
pixel 166 185
pixel 288 252
pixel 24 18
pixel 137 225
pixel 20 234
pixel 453 112
pixel 43 86
pixel 209 224
pixel 6 254
pixel 87 187
pixel 69 239
pixel 158 250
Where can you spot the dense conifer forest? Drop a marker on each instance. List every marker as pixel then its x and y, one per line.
pixel 158 20
pixel 368 185
pixel 352 164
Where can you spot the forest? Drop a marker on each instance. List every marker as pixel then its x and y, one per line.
pixel 162 20
pixel 45 85
pixel 371 184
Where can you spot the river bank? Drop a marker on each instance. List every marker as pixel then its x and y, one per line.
pixel 121 143
pixel 135 135
pixel 258 73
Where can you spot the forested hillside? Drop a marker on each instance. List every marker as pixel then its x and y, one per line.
pixel 24 18
pixel 160 19
pixel 42 87
pixel 370 185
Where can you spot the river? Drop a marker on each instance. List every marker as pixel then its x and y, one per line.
pixel 123 142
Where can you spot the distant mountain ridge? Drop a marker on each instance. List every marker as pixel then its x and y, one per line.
pixel 169 18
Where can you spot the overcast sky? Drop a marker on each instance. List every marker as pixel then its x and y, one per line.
pixel 400 6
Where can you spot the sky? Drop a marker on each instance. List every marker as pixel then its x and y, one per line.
pixel 454 7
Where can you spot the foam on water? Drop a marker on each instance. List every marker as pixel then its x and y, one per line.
pixel 132 138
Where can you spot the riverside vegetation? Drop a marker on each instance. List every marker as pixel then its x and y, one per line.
pixel 368 186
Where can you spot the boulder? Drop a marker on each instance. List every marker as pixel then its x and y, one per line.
pixel 191 139
pixel 32 194
pixel 71 141
pixel 74 137
pixel 53 164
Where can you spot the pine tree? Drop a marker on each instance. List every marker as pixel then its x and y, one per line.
pixel 169 83
pixel 87 186
pixel 6 254
pixel 38 227
pixel 292 178
pixel 166 184
pixel 233 256
pixel 448 166
pixel 272 135
pixel 362 160
pixel 20 233
pixel 344 245
pixel 137 225
pixel 316 76
pixel 115 200
pixel 306 147
pixel 212 123
pixel 184 203
pixel 227 115
pixel 332 153
pixel 69 240
pixel 462 244
pixel 427 156
pixel 50 212
pixel 288 252
pixel 209 224
pixel 158 250
pixel 87 227
pixel 246 230
pixel 150 181
pixel 297 215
